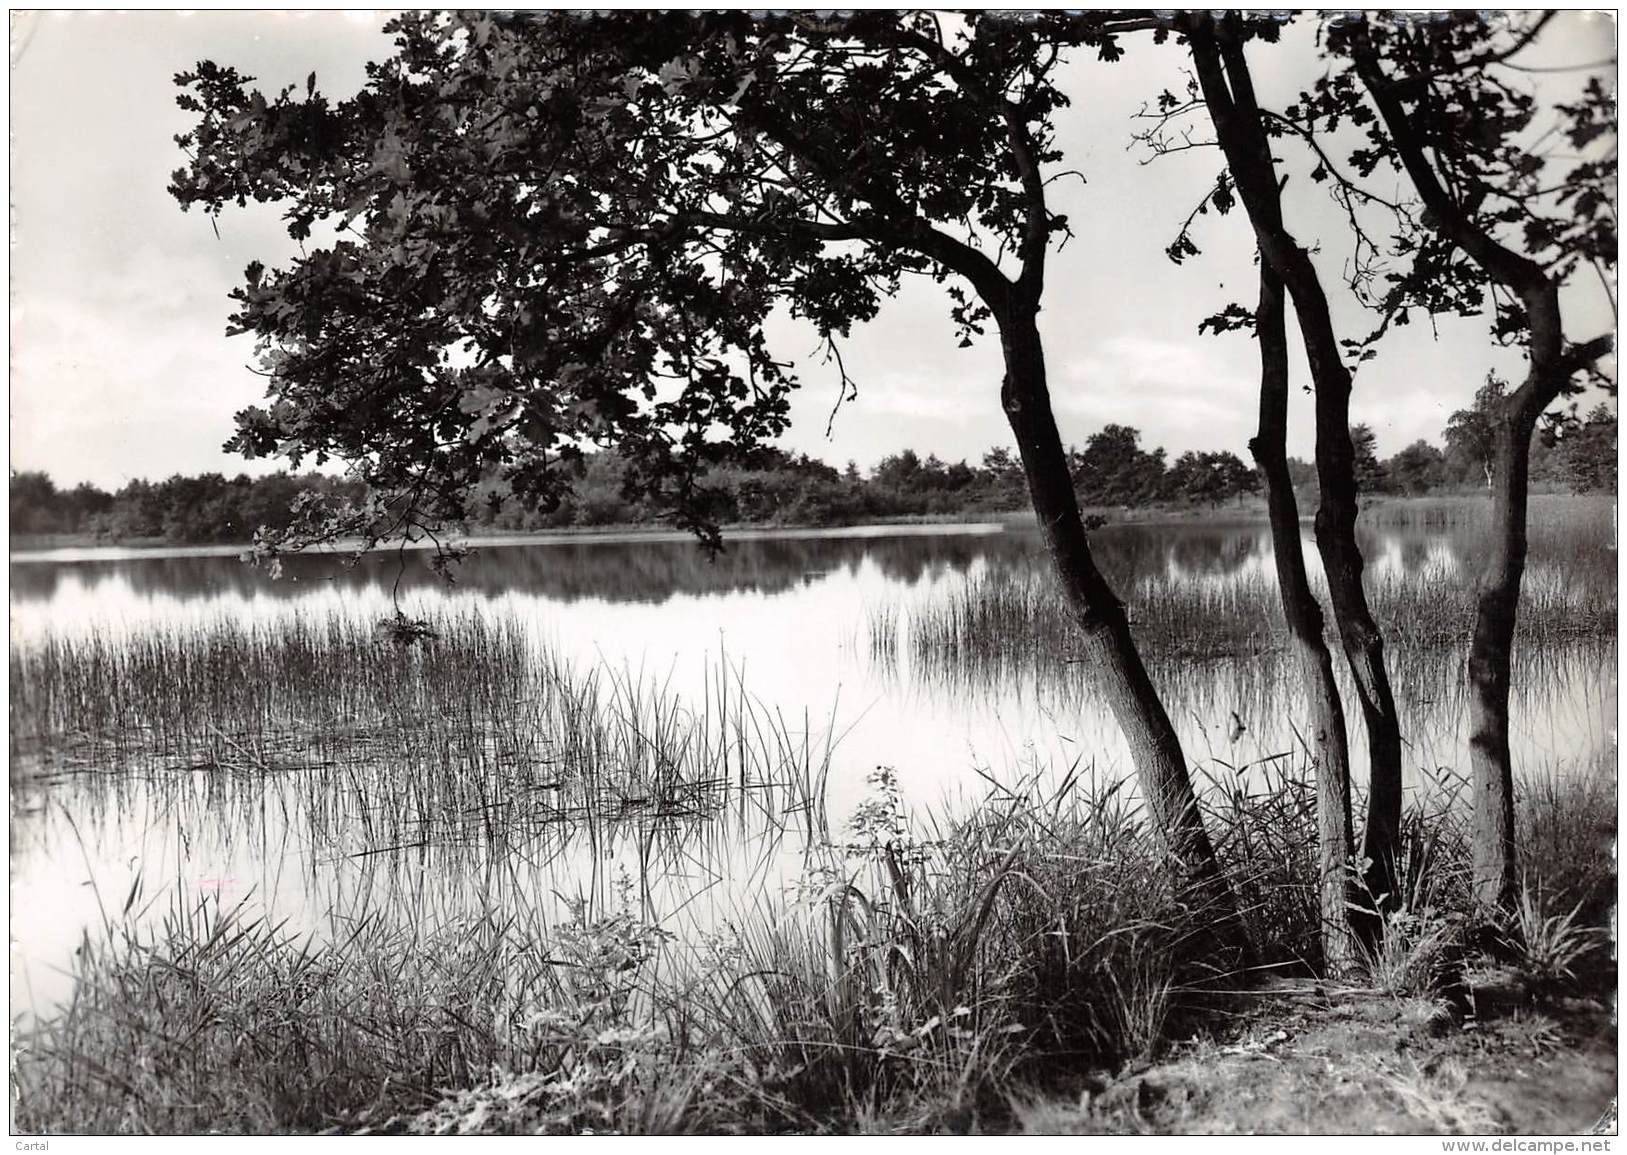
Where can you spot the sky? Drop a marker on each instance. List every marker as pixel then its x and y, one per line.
pixel 120 369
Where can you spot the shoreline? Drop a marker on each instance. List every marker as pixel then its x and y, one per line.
pixel 28 545
pixel 83 547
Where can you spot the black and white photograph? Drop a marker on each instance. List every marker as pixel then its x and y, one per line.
pixel 783 573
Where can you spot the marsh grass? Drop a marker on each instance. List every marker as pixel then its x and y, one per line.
pixel 471 739
pixel 1012 617
pixel 738 963
pixel 907 977
pixel 1003 620
pixel 1565 823
pixel 1553 516
pixel 1264 818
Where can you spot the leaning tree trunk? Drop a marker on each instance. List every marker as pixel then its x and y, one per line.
pixel 1305 632
pixel 1490 662
pixel 1228 92
pixel 1104 626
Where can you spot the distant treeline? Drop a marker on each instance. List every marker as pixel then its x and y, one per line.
pixel 207 508
pixel 771 488
pixel 775 488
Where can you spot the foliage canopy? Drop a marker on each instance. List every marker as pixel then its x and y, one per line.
pixel 530 234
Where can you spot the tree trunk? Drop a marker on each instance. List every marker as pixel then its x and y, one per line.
pixel 1359 634
pixel 1491 650
pixel 1228 92
pixel 1490 663
pixel 1104 626
pixel 1507 477
pixel 1305 632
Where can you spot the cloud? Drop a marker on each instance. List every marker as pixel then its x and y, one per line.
pixel 939 397
pixel 119 362
pixel 1185 395
pixel 132 378
pixel 1189 369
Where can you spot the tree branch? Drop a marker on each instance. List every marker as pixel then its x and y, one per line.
pixel 1581 356
pixel 1521 274
pixel 1037 229
pixel 1519 45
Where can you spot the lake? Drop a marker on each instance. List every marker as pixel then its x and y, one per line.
pixel 848 650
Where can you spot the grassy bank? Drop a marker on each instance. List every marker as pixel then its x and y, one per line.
pixel 903 971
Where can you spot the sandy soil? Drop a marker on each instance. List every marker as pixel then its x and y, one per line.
pixel 1312 1061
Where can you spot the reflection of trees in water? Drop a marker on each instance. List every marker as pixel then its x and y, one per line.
pixel 35 583
pixel 652 571
pixel 1415 553
pixel 641 571
pixel 1131 553
pixel 1216 554
pixel 180 577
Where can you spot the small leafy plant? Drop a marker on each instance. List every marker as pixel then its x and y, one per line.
pixel 1546 947
pixel 1411 957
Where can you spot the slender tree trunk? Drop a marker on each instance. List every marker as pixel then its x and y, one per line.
pixel 1305 631
pixel 1507 477
pixel 1229 94
pixel 1490 665
pixel 1359 634
pixel 1104 626
pixel 1491 650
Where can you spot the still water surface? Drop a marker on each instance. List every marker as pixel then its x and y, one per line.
pixel 790 616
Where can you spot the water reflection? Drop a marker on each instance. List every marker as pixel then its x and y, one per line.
pixel 655 568
pixel 620 571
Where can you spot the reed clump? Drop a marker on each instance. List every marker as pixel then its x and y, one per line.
pixel 464 738
pixel 1011 618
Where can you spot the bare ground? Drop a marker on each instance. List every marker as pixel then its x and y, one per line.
pixel 1313 1061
